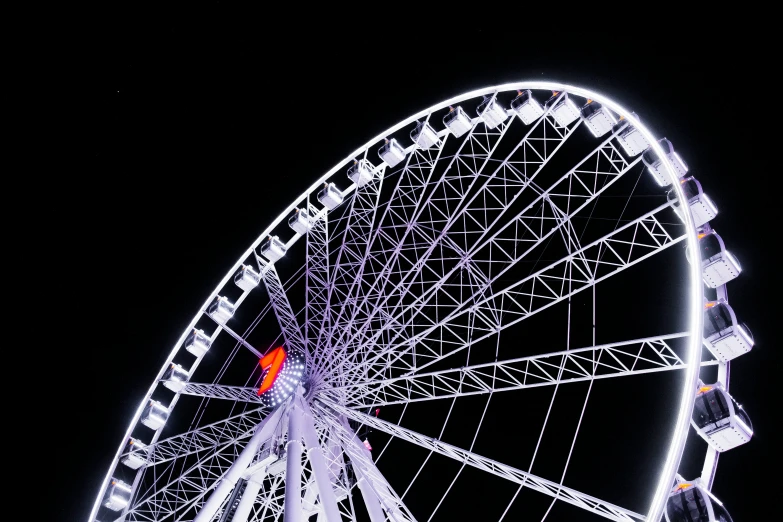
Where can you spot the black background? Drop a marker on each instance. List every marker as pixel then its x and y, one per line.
pixel 172 121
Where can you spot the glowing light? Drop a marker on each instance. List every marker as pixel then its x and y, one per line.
pixel 274 362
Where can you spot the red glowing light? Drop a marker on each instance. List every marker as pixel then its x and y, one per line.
pixel 274 362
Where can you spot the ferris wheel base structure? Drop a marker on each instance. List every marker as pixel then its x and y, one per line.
pixel 296 450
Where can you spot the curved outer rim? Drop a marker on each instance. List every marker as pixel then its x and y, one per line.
pixel 693 356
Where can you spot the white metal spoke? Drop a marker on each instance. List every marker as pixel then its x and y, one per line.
pixel 627 358
pixel 222 391
pixel 552 489
pixel 626 246
pixel 317 277
pixel 207 437
pixel 493 256
pixel 285 315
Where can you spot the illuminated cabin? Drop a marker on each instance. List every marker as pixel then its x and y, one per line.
pixel 457 121
pixel 718 265
pixel 330 196
pixel 175 378
pixel 528 109
pixel 656 166
pixel 692 502
pixel 702 207
pixel 247 278
pixel 597 118
pixel 424 136
pixel 300 221
pixel 221 309
pixel 563 109
pixel 723 336
pixel 154 415
pixel 629 137
pixel 719 419
pixel 272 249
pixel 391 152
pixel 197 343
pixel 118 495
pixel 361 172
pixel 135 454
pixel 491 112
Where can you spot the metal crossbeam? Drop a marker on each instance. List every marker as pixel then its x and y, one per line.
pixel 626 358
pixel 316 277
pixel 220 391
pixel 547 487
pixel 628 245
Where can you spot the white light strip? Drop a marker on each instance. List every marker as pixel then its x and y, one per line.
pixel 692 358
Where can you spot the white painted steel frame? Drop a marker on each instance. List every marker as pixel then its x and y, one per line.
pixel 691 359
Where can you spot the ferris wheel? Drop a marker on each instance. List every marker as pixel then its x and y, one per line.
pixel 448 321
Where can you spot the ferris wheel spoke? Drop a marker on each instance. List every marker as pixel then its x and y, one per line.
pixel 354 243
pixel 496 254
pixel 317 278
pixel 286 318
pixel 547 487
pixel 626 358
pixel 208 437
pixel 626 246
pixel 436 210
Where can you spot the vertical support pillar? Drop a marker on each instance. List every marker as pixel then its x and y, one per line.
pixel 371 500
pixel 293 470
pixel 263 432
pixel 249 496
pixel 318 463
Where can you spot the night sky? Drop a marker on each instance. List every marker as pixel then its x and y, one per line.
pixel 195 139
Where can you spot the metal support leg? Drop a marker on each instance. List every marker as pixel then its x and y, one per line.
pixel 293 470
pixel 249 496
pixel 318 463
pixel 263 432
pixel 370 498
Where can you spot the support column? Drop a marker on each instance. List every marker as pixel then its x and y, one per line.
pixel 293 470
pixel 229 480
pixel 318 463
pixel 249 496
pixel 370 498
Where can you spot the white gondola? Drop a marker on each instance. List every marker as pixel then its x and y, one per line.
pixel 563 109
pixel 300 221
pixel 717 264
pixel 391 152
pixel 719 419
pixel 154 415
pixel 221 309
pixel 118 495
pixel 247 278
pixel 272 249
pixel 491 112
pixel 691 501
pixel 135 454
pixel 361 172
pixel 629 137
pixel 271 451
pixel 597 118
pixel 702 207
pixel 528 109
pixel 330 196
pixel 724 337
pixel 655 164
pixel 424 136
pixel 457 121
pixel 197 343
pixel 175 378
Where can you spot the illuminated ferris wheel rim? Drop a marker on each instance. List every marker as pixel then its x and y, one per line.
pixel 695 300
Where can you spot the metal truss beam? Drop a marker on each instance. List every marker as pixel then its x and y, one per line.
pixel 282 307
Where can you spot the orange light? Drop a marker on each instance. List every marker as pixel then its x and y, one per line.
pixel 589 100
pixel 704 389
pixel 274 362
pixel 710 304
pixel 683 486
pixel 555 93
pixel 701 235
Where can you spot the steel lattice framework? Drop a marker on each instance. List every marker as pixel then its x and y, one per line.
pixel 410 291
